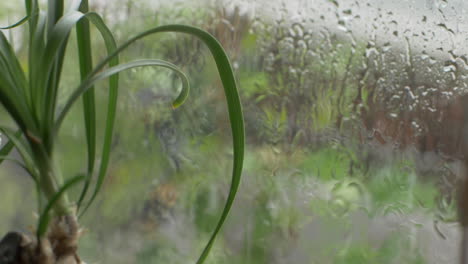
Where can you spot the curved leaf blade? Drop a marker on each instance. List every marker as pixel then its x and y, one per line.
pixel 5 150
pixel 17 24
pixel 22 20
pixel 56 42
pixel 234 108
pixel 88 84
pixel 89 102
pixel 21 146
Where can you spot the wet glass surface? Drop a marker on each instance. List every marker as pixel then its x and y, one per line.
pixel 355 125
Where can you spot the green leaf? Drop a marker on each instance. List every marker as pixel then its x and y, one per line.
pixel 234 108
pixel 47 77
pixel 55 12
pixel 19 23
pixel 37 28
pixel 89 103
pixel 22 20
pixel 5 150
pixel 21 146
pixel 12 86
pixel 86 85
pixel 89 83
pixel 62 28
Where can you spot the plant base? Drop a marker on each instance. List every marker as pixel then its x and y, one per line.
pixel 59 246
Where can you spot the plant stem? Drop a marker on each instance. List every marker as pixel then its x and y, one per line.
pixel 55 12
pixel 48 176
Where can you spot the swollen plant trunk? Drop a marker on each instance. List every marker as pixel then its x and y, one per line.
pixel 59 246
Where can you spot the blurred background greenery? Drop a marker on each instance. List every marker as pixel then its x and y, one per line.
pixel 339 168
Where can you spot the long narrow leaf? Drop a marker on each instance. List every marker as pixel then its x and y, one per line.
pixel 21 146
pixel 50 91
pixel 86 85
pixel 51 96
pixel 111 46
pixel 17 24
pixel 89 103
pixel 63 27
pixel 234 108
pixel 13 84
pixel 50 62
pixel 22 20
pixel 55 12
pixel 36 49
pixel 5 150
pixel 47 81
pixel 46 87
pixel 108 73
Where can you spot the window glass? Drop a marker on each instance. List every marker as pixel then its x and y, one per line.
pixel 355 125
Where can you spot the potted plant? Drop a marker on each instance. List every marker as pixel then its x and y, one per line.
pixel 28 93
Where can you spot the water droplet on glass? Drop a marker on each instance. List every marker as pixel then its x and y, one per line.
pixel 449 68
pixel 341 26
